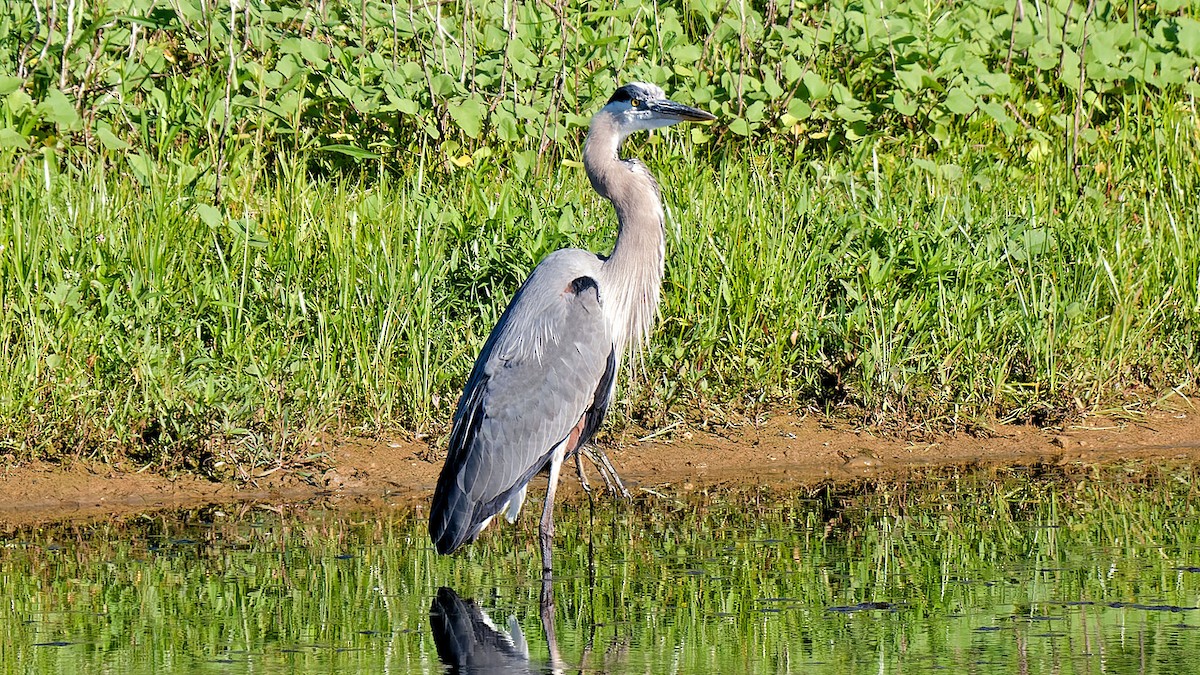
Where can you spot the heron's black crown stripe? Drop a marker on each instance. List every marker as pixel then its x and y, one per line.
pixel 626 93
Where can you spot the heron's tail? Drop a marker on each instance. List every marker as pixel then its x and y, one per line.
pixel 451 516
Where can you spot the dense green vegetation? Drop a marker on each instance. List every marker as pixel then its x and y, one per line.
pixel 1027 571
pixel 223 233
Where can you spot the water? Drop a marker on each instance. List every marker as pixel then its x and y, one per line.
pixel 1020 571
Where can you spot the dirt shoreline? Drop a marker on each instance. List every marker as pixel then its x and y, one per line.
pixel 783 451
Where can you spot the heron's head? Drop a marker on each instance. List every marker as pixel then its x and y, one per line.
pixel 640 106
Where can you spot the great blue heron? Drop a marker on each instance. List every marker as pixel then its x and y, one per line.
pixel 543 382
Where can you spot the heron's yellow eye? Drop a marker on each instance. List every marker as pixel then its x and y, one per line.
pixel 635 102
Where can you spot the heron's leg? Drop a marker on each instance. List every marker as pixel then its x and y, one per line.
pixel 546 528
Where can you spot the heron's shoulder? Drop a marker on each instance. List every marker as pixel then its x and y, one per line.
pixel 556 313
pixel 552 294
pixel 563 267
pixel 569 261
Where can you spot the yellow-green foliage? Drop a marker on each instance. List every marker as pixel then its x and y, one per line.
pixel 914 214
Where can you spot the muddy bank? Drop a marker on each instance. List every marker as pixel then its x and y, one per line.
pixel 782 451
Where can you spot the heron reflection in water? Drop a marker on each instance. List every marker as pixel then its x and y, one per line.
pixel 468 641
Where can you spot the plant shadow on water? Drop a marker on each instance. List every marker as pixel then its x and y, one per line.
pixel 1035 570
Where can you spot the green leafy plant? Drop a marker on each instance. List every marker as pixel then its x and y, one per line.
pixel 228 229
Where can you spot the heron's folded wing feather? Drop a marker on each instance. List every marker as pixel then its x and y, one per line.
pixel 535 377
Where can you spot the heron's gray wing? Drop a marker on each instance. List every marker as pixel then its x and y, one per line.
pixel 538 375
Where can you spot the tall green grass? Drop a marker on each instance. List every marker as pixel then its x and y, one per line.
pixel 943 290
pixel 924 217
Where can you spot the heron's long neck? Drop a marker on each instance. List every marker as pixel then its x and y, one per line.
pixel 632 275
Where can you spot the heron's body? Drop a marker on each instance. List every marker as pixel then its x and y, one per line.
pixel 544 379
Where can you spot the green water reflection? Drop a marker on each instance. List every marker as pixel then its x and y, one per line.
pixel 1033 571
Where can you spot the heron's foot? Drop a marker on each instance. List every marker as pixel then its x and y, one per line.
pixel 587 488
pixel 608 473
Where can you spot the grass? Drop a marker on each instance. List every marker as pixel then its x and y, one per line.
pixel 919 289
pixel 976 568
pixel 215 249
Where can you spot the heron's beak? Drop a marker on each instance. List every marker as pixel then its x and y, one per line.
pixel 678 112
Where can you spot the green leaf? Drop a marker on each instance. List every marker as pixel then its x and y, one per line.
pixel 902 105
pixel 57 108
pixel 523 161
pixel 9 84
pixel 740 127
pixel 468 115
pixel 1030 244
pixel 771 85
pixel 849 114
pixel 142 167
pixel 856 130
pixel 1173 69
pixel 755 112
pixel 442 84
pixel 518 53
pixel 397 101
pixel 18 102
pixel 109 139
pixel 506 126
pixel 950 172
pixel 290 68
pixel 925 165
pixel 349 150
pixel 1106 46
pixel 799 109
pixel 314 52
pixel 997 112
pixel 816 87
pixel 10 138
pixel 995 83
pixel 792 70
pixel 959 102
pixel 913 77
pixel 411 71
pixel 209 215
pixel 1187 36
pixel 686 53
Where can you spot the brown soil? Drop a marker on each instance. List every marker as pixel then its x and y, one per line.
pixel 782 451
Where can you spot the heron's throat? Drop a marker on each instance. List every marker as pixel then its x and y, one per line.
pixel 632 276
